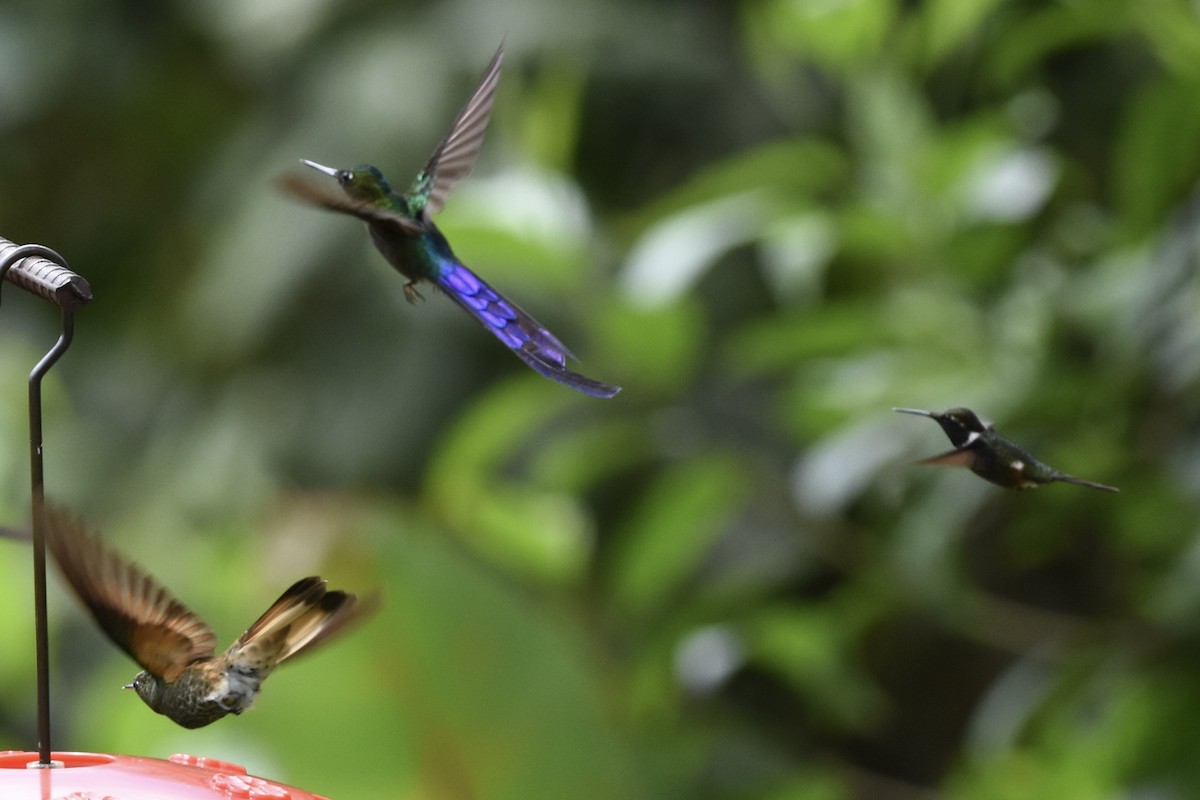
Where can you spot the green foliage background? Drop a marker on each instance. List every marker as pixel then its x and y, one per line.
pixel 770 221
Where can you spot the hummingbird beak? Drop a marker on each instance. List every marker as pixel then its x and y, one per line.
pixel 330 171
pixel 918 411
pixel 127 686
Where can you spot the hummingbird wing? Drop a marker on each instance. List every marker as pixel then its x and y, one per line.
pixel 521 333
pixel 310 193
pixel 455 154
pixel 136 612
pixel 303 616
pixel 955 458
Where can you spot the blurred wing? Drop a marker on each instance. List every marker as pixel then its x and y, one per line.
pixel 455 154
pixel 308 192
pixel 138 614
pixel 523 334
pixel 954 458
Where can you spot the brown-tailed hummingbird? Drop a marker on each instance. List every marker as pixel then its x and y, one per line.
pixel 989 455
pixel 402 229
pixel 182 676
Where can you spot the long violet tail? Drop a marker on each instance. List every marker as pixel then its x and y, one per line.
pixel 521 333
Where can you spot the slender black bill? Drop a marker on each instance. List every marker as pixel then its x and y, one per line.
pixel 918 411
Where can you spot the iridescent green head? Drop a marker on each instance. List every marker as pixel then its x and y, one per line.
pixel 364 183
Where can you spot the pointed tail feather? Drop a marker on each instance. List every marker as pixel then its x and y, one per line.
pixel 337 613
pixel 557 372
pixel 520 332
pixel 303 616
pixel 298 598
pixel 1081 482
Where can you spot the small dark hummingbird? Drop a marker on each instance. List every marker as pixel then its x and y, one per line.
pixel 402 228
pixel 182 676
pixel 989 455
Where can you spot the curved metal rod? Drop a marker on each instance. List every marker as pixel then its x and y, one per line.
pixel 36 469
pixel 37 482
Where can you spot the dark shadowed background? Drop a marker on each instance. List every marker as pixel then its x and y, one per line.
pixel 770 221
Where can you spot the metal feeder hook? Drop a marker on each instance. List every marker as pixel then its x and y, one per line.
pixel 43 272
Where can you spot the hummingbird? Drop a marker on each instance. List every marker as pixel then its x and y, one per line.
pixel 182 677
pixel 989 455
pixel 402 229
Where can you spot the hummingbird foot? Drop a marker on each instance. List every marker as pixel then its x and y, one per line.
pixel 411 294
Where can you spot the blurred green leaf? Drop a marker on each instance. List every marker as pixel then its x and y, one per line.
pixel 660 348
pixel 792 167
pixel 1054 29
pixel 670 532
pixel 810 786
pixel 578 459
pixel 540 533
pixel 947 25
pixel 1155 160
pixel 808 648
pixel 501 692
pixel 840 36
pixel 776 342
pixel 550 118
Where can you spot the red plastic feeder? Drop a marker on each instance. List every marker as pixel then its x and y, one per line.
pixel 97 776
